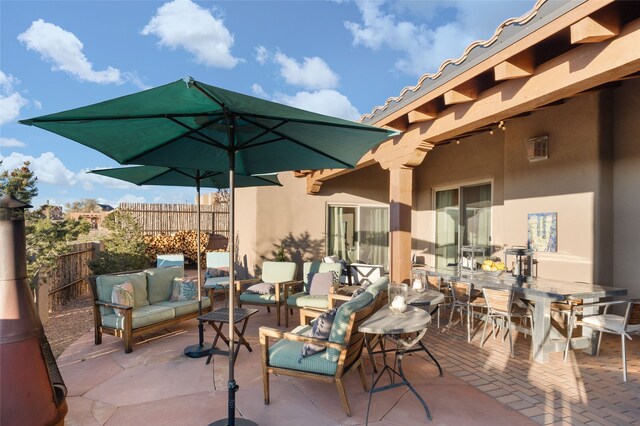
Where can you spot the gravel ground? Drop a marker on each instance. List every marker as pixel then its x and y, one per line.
pixel 68 323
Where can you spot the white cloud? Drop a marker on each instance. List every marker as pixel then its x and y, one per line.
pixel 129 198
pixel 258 91
pixel 262 54
pixel 64 50
pixel 90 181
pixel 424 47
pixel 313 73
pixel 11 143
pixel 329 102
pixel 11 102
pixel 47 167
pixel 184 24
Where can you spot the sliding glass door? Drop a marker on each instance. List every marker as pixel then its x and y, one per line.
pixel 359 233
pixel 463 217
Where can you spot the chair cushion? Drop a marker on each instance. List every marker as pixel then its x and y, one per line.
pixel 303 299
pixel 277 272
pixel 218 283
pixel 184 289
pixel 186 306
pixel 261 288
pixel 312 267
pixel 260 299
pixel 320 330
pixel 341 322
pixel 285 354
pixel 160 282
pixel 105 283
pixel 122 294
pixel 320 283
pixel 142 316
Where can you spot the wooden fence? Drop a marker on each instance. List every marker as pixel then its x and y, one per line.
pixel 67 280
pixel 169 218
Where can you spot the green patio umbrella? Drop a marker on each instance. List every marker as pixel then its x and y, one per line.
pixel 171 176
pixel 189 124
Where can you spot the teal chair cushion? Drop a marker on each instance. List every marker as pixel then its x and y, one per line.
pixel 286 354
pixel 309 267
pixel 105 283
pixel 303 299
pixel 341 322
pixel 260 299
pixel 182 307
pixel 160 282
pixel 143 316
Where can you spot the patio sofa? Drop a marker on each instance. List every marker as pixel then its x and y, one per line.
pixel 152 308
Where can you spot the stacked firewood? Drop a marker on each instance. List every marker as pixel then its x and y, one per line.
pixel 185 242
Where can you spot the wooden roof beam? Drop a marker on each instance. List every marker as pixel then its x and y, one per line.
pixel 519 66
pixel 598 27
pixel 462 94
pixel 421 114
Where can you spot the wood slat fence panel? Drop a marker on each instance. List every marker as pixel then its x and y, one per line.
pixel 170 218
pixel 67 280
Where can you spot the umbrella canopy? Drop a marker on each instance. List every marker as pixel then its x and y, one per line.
pixel 188 124
pixel 171 176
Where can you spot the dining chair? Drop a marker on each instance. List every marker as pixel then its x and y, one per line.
pixel 465 298
pixel 608 323
pixel 436 283
pixel 500 305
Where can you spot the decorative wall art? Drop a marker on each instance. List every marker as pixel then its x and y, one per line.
pixel 542 232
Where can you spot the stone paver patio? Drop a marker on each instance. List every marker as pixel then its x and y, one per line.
pixel 156 384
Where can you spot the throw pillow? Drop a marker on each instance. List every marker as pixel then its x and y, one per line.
pixel 358 291
pixel 221 271
pixel 122 294
pixel 261 288
pixel 321 330
pixel 184 289
pixel 320 283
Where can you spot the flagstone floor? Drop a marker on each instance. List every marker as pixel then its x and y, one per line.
pixel 157 384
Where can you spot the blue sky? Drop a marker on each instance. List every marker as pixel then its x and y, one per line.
pixel 340 58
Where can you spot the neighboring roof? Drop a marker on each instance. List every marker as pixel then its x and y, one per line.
pixel 507 33
pixel 105 207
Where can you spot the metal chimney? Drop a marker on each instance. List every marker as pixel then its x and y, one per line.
pixel 32 391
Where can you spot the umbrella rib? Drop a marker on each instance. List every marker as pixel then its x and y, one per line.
pixel 197 131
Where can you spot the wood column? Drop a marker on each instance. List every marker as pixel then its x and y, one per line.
pixel 400 206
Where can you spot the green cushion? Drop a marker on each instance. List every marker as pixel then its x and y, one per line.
pixel 105 283
pixel 182 307
pixel 303 299
pixel 260 299
pixel 286 354
pixel 378 285
pixel 318 267
pixel 277 272
pixel 160 282
pixel 341 322
pixel 143 316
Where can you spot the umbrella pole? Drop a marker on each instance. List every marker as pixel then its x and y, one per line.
pixel 199 350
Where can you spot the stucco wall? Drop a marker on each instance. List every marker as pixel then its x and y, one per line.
pixel 290 217
pixel 626 193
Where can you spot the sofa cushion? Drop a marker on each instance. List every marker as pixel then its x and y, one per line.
pixel 320 330
pixel 122 294
pixel 303 299
pixel 285 354
pixel 160 282
pixel 105 283
pixel 142 316
pixel 184 289
pixel 260 299
pixel 183 307
pixel 341 322
pixel 381 284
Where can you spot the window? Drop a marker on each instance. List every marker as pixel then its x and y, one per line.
pixel 359 233
pixel 463 211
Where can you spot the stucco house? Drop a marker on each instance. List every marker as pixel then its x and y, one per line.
pixel 540 124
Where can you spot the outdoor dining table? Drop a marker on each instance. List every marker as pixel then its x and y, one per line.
pixel 546 338
pixel 406 330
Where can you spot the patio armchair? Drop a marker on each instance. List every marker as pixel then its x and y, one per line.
pixel 279 274
pixel 307 299
pixel 341 356
pixel 217 274
pixel 167 260
pixel 608 323
pixel 501 305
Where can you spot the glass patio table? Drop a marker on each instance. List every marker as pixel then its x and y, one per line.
pixel 546 338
